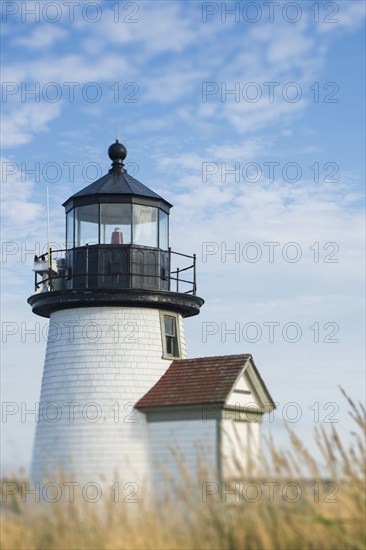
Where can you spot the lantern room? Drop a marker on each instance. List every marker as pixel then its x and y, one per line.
pixel 117 250
pixel 117 232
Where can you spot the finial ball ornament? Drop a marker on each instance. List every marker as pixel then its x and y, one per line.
pixel 117 151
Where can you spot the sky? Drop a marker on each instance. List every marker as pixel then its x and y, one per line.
pixel 249 118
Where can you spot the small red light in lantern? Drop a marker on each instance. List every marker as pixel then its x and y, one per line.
pixel 117 236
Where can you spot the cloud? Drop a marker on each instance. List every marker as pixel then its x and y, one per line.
pixel 175 35
pixel 269 79
pixel 27 114
pixel 19 209
pixel 252 117
pixel 234 211
pixel 68 68
pixel 159 27
pixel 340 16
pixel 170 86
pixel 43 36
pixel 21 123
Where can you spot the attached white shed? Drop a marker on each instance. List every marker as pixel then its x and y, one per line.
pixel 205 414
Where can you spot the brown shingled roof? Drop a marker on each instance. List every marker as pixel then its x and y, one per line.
pixel 195 381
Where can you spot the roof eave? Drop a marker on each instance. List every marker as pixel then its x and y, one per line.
pixel 93 198
pixel 177 405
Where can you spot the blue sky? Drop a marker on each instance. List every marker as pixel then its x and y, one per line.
pixel 159 71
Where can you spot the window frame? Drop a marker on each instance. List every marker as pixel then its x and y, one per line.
pixel 164 336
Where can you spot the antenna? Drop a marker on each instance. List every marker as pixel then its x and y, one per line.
pixel 48 229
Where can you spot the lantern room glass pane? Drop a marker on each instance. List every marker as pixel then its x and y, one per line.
pixel 115 223
pixel 86 225
pixel 70 229
pixel 163 230
pixel 145 225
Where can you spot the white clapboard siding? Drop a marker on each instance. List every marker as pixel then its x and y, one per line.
pixel 181 444
pixel 240 448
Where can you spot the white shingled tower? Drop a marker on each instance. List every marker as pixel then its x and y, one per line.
pixel 116 313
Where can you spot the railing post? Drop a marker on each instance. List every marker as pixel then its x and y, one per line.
pixel 177 279
pixel 86 267
pixel 194 275
pixel 49 257
pixel 129 265
pixel 169 263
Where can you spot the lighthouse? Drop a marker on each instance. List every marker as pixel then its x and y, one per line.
pixel 116 308
pixel 119 396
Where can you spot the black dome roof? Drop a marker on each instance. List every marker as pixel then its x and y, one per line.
pixel 116 183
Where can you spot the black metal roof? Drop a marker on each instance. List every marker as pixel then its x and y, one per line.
pixel 117 182
pixel 120 183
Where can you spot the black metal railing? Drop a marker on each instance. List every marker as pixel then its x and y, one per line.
pixel 63 276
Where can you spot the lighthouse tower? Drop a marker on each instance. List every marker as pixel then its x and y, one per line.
pixel 116 301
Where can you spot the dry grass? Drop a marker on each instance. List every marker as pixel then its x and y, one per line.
pixel 329 514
